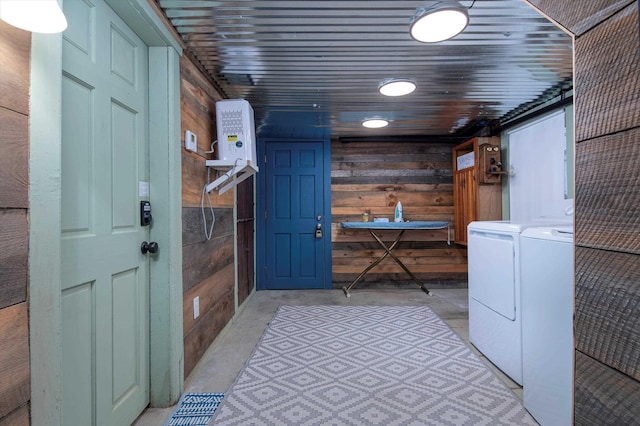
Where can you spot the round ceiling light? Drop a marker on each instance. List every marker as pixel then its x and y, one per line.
pixel 375 123
pixel 38 16
pixel 396 87
pixel 440 22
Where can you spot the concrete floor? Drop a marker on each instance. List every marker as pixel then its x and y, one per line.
pixel 224 359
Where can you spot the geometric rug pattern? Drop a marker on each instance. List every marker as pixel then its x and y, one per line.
pixel 194 409
pixel 366 365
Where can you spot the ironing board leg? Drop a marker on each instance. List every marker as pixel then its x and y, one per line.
pixel 380 259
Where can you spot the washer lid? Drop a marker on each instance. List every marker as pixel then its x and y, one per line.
pixel 551 233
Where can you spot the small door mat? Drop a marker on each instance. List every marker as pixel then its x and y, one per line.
pixel 195 409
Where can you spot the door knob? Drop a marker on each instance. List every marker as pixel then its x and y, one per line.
pixel 151 247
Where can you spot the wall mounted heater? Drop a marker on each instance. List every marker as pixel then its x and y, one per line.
pixel 236 145
pixel 236 130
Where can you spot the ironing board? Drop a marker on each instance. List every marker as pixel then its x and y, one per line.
pixel 388 250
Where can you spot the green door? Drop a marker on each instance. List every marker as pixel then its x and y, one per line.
pixel 105 277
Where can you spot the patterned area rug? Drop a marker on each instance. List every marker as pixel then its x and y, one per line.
pixel 194 409
pixel 366 365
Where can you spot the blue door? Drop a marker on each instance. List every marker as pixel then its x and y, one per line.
pixel 296 242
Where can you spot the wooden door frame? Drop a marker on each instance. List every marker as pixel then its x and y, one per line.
pixel 45 193
pixel 260 195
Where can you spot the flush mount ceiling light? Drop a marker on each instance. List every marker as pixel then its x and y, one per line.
pixel 37 16
pixel 375 123
pixel 440 22
pixel 396 87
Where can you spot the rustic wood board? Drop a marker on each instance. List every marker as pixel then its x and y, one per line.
pixel 14 358
pixel 246 239
pixel 201 260
pixel 14 235
pixel 15 54
pixel 14 161
pixel 210 291
pixel 193 225
pixel 608 190
pixel 612 104
pixel 604 396
pixel 18 417
pixel 607 319
pixel 579 17
pixel 194 177
pixel 206 330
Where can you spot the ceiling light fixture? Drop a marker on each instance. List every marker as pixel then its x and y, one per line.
pixel 37 16
pixel 440 22
pixel 396 87
pixel 375 123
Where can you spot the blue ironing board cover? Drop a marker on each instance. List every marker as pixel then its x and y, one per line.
pixel 395 225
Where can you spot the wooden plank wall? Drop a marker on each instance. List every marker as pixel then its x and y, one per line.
pixel 607 254
pixel 372 177
pixel 208 265
pixel 15 46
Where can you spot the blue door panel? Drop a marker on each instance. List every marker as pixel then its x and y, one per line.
pixel 294 199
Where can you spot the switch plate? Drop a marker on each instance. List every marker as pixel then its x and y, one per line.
pixel 190 141
pixel 196 307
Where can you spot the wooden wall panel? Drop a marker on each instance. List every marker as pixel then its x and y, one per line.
pixel 579 17
pixel 208 266
pixel 15 49
pixel 193 226
pixel 14 358
pixel 18 417
pixel 603 395
pixel 210 291
pixel 607 317
pixel 13 256
pixel 14 161
pixel 15 53
pixel 206 330
pixel 608 187
pixel 200 261
pixel 373 177
pixel 607 105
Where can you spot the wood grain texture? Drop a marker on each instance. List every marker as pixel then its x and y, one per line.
pixel 206 330
pixel 14 358
pixel 18 417
pixel 201 260
pixel 605 105
pixel 14 254
pixel 193 225
pixel 210 291
pixel 604 396
pixel 14 161
pixel 373 177
pixel 15 54
pixel 579 17
pixel 608 190
pixel 246 239
pixel 607 320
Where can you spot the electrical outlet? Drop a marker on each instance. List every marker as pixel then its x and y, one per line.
pixel 196 307
pixel 190 141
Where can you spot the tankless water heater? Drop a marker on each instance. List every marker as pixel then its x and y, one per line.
pixel 236 131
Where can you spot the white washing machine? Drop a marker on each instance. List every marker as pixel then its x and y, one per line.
pixel 547 323
pixel 493 252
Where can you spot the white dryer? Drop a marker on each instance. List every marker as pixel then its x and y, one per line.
pixel 494 293
pixel 547 323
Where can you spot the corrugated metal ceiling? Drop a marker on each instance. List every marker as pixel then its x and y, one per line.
pixel 313 67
